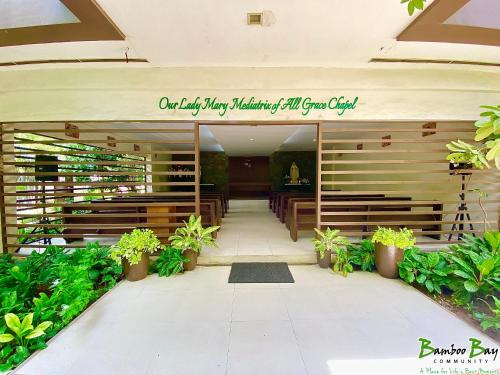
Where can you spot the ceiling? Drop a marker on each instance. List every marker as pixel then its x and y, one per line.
pixel 234 140
pixel 325 33
pixel 257 140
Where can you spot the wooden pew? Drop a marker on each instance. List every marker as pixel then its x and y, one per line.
pixel 102 220
pixel 281 202
pixel 302 212
pixel 217 195
pixel 331 198
pixel 303 216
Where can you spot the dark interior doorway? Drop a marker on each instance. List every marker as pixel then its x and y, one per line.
pixel 249 177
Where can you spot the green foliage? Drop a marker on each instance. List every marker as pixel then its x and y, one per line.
pixel 22 331
pixel 471 269
pixel 54 286
pixel 492 320
pixel 103 271
pixel 342 262
pixel 17 344
pixel 132 245
pixel 329 240
pixel 193 236
pixel 476 264
pixel 214 169
pixel 414 4
pixel 402 239
pixel 170 262
pixel 429 269
pixel 362 255
pixel 464 153
pixel 488 132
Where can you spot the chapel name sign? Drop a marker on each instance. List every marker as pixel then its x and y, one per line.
pixel 304 105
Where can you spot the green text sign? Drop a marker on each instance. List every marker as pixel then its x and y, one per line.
pixel 304 105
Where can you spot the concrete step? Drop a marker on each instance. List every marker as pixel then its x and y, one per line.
pixel 224 260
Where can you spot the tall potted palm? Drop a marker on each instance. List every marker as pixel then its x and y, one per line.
pixel 389 249
pixel 190 239
pixel 327 242
pixel 133 250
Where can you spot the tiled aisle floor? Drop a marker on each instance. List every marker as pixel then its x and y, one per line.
pixel 251 228
pixel 199 324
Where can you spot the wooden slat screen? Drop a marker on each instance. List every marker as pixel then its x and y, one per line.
pixel 396 174
pixel 65 184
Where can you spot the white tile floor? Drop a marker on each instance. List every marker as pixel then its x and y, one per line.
pixel 251 229
pixel 199 324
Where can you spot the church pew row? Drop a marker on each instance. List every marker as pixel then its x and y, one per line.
pixel 123 214
pixel 302 216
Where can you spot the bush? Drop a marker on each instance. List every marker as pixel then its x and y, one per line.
pixel 54 286
pixel 362 255
pixel 132 245
pixel 476 267
pixel 402 239
pixel 429 269
pixel 170 262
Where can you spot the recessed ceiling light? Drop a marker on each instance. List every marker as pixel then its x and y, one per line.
pixel 252 139
pixel 314 139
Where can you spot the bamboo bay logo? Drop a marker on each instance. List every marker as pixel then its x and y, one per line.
pixel 477 353
pixel 302 104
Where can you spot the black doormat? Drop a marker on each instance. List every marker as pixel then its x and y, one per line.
pixel 260 273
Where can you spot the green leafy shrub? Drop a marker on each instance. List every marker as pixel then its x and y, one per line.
pixel 22 331
pixel 132 245
pixel 54 286
pixel 476 265
pixel 103 271
pixel 21 340
pixel 170 262
pixel 329 240
pixel 342 263
pixel 429 269
pixel 362 255
pixel 492 320
pixel 193 236
pixel 402 239
pixel 488 132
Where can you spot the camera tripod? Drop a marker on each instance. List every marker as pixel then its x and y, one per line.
pixel 462 214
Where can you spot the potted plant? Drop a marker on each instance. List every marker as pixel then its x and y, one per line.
pixel 327 242
pixel 389 249
pixel 133 250
pixel 170 262
pixel 190 239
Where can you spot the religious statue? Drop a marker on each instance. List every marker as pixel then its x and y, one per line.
pixel 294 174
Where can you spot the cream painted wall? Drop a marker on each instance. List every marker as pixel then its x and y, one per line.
pixel 133 93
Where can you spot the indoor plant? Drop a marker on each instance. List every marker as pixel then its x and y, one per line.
pixel 190 239
pixel 389 247
pixel 362 255
pixel 169 262
pixel 133 249
pixel 326 243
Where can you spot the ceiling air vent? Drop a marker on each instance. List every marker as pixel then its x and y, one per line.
pixel 254 18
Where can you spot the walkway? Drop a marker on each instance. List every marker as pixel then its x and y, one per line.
pixel 198 324
pixel 250 230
